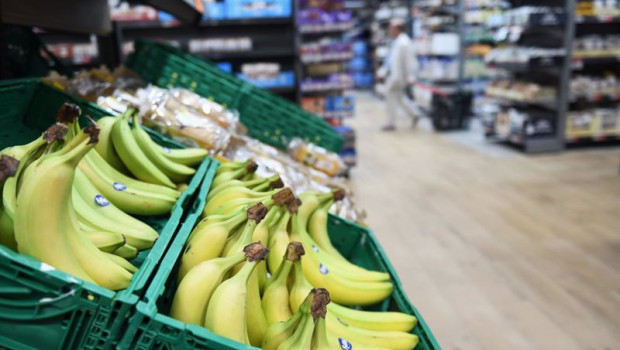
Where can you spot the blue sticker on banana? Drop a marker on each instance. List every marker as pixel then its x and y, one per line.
pixel 166 149
pixel 119 186
pixel 101 201
pixel 345 344
pixel 315 248
pixel 323 269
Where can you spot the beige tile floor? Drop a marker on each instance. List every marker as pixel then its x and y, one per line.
pixel 497 250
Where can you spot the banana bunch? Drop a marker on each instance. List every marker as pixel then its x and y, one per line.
pixel 243 208
pixel 57 202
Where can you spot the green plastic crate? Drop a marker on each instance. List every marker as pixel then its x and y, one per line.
pixel 151 327
pixel 268 117
pixel 42 308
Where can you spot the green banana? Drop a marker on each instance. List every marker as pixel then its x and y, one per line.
pixel 133 157
pixel 187 156
pixel 122 194
pixel 94 210
pixel 277 333
pixel 174 171
pixel 222 176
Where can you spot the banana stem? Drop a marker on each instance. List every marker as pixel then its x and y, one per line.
pixel 294 251
pixel 8 167
pixel 255 251
pixel 319 303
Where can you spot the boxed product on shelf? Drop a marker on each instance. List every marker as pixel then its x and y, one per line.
pixel 280 79
pixel 238 9
pixel 214 10
pixel 344 103
pixel 360 48
pixel 229 44
pixel 360 64
pixel 581 124
pixel 363 80
pixel 594 88
pixel 521 91
pixel 609 121
pixel 340 81
pixel 314 105
pixel 596 46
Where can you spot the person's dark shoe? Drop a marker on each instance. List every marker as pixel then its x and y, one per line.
pixel 414 122
pixel 388 128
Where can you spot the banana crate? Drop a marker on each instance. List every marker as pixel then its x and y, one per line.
pixel 150 327
pixel 43 308
pixel 269 118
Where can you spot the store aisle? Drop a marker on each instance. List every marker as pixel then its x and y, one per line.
pixel 498 253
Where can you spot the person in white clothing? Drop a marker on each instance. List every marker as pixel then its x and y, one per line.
pixel 398 70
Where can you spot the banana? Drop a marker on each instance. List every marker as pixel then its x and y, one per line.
pixel 221 175
pixel 276 297
pixel 94 210
pixel 187 156
pixel 255 317
pixel 106 241
pixel 127 181
pixel 261 234
pixel 302 337
pixel 278 241
pixel 332 264
pixel 311 201
pixel 245 184
pixel 226 166
pixel 319 337
pixel 337 328
pixel 122 262
pixel 371 320
pixel 105 148
pixel 123 195
pixel 208 239
pixel 277 333
pixel 174 171
pixel 133 157
pixel 191 298
pixel 24 154
pixel 317 228
pixel 232 205
pixel 254 216
pixel 49 178
pixel 105 272
pixel 126 251
pixel 226 312
pixel 232 193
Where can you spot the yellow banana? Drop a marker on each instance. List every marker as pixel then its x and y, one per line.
pixel 371 320
pixel 255 317
pixel 317 228
pixel 275 301
pixel 331 264
pixel 105 148
pixel 126 251
pixel 261 234
pixel 49 178
pixel 232 193
pixel 277 333
pixel 225 167
pixel 133 157
pixel 310 201
pixel 194 292
pixel 106 241
pixel 278 241
pixel 208 239
pixel 302 337
pixel 245 184
pixel 337 328
pixel 226 312
pixel 174 171
pixel 122 262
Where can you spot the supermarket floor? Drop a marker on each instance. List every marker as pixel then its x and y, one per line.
pixel 497 250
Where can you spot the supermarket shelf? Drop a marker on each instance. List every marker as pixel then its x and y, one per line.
pixel 506 102
pixel 596 139
pixel 246 54
pixel 596 19
pixel 336 57
pixel 325 28
pixel 281 90
pixel 578 63
pixel 599 99
pixel 145 25
pixel 329 89
pixel 534 63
